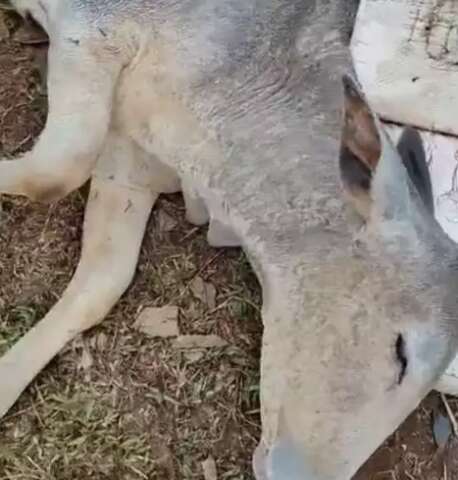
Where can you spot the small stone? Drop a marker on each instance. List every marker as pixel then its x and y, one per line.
pixel 442 429
pixel 158 322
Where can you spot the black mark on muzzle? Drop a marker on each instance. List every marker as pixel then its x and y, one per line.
pixel 401 356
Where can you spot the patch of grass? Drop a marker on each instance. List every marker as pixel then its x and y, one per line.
pixel 19 320
pixel 116 404
pixel 77 434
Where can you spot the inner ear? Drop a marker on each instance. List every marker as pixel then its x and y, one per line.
pixel 356 179
pixel 360 148
pixel 360 134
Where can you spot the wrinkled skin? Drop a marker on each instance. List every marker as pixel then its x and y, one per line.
pixel 239 103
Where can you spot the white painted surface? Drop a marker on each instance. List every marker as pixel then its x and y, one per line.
pixel 406 57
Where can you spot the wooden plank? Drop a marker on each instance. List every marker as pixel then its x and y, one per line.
pixel 406 57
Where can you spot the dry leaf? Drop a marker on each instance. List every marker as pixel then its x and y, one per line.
pixel 193 355
pixel 158 322
pixel 165 223
pixel 186 342
pixel 40 59
pixel 98 342
pixel 86 360
pixel 30 34
pixel 204 291
pixel 101 341
pixel 4 32
pixel 209 469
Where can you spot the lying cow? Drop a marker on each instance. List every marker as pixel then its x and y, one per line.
pixel 238 104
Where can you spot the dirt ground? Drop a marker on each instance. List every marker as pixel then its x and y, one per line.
pixel 117 404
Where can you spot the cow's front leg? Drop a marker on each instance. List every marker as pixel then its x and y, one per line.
pixel 81 81
pixel 196 210
pixel 116 216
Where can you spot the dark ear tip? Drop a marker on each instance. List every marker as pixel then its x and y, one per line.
pixel 351 87
pixel 411 134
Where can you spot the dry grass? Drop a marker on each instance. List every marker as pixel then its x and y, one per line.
pixel 116 404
